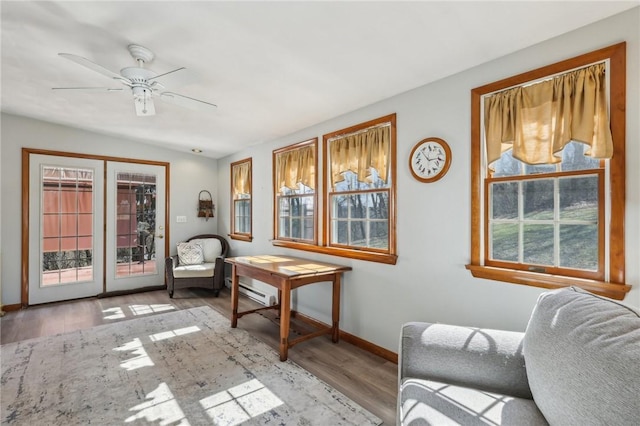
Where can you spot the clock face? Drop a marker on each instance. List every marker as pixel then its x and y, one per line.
pixel 430 160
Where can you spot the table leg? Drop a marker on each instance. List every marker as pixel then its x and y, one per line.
pixel 235 282
pixel 285 316
pixel 335 309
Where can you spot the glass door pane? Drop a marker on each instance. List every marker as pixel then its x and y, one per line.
pixel 135 224
pixel 67 218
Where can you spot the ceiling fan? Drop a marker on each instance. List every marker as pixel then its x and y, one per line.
pixel 142 82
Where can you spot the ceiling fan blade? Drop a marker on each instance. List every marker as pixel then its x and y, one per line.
pixel 170 72
pixel 94 67
pixel 186 101
pixel 97 89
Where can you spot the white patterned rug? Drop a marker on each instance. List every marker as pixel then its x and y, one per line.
pixel 181 368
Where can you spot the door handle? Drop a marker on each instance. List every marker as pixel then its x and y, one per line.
pixel 160 236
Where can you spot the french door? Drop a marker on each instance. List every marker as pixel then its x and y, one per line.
pixel 135 226
pixel 95 226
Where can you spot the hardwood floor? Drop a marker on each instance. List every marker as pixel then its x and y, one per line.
pixel 369 380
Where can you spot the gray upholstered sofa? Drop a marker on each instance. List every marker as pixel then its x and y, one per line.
pixel 577 363
pixel 199 263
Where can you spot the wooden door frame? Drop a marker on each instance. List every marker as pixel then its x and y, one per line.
pixel 26 153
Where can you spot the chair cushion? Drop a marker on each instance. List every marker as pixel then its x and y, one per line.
pixel 211 248
pixel 427 402
pixel 190 253
pixel 194 271
pixel 582 355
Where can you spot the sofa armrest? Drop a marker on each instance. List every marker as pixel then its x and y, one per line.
pixel 170 263
pixel 490 360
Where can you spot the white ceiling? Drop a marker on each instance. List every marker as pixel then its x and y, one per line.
pixel 271 67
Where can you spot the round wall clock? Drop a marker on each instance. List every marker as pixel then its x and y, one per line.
pixel 430 159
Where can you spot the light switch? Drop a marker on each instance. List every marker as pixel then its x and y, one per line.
pixel 181 219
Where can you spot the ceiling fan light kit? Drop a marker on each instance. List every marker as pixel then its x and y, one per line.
pixel 141 81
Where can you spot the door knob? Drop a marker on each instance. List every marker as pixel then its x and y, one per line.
pixel 160 236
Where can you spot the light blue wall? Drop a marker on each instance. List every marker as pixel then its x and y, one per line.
pixel 429 281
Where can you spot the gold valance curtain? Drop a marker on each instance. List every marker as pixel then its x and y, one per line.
pixel 537 121
pixel 296 166
pixel 241 179
pixel 359 153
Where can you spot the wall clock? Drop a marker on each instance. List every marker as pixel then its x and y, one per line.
pixel 430 159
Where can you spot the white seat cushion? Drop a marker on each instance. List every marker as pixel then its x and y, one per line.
pixel 211 248
pixel 194 271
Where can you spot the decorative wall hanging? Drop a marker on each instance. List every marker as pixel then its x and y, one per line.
pixel 205 206
pixel 430 159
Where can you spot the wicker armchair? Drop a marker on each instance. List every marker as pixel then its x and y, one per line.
pixel 207 274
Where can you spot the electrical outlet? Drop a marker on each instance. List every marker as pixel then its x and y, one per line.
pixel 181 219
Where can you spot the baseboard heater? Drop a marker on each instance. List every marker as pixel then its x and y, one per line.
pixel 253 294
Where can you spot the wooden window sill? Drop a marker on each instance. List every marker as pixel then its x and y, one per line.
pixel 536 279
pixel 389 259
pixel 240 237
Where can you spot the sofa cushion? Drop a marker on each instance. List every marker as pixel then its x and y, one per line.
pixel 200 270
pixel 211 248
pixel 582 355
pixel 427 402
pixel 190 253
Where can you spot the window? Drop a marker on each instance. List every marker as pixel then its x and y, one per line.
pixel 295 195
pixel 241 200
pixel 548 177
pixel 360 189
pixel 358 203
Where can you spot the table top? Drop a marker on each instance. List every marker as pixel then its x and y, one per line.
pixel 287 265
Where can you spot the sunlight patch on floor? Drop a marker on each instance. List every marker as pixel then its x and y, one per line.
pixel 240 403
pixel 140 359
pixel 150 309
pixel 161 408
pixel 113 313
pixel 173 333
pixel 119 313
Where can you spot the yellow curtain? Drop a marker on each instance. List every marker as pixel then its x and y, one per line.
pixel 296 166
pixel 537 121
pixel 359 153
pixel 241 179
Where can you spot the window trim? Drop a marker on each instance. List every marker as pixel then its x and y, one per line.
pixel 241 236
pixel 292 242
pixel 615 287
pixel 390 256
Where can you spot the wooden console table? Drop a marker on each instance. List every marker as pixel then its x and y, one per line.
pixel 286 273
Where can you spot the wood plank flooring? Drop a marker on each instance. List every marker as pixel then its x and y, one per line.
pixel 369 380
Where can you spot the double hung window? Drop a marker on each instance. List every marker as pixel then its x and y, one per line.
pixel 295 192
pixel 241 210
pixel 548 176
pixel 360 188
pixel 358 203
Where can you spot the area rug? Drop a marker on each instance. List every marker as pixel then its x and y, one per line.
pixel 181 368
